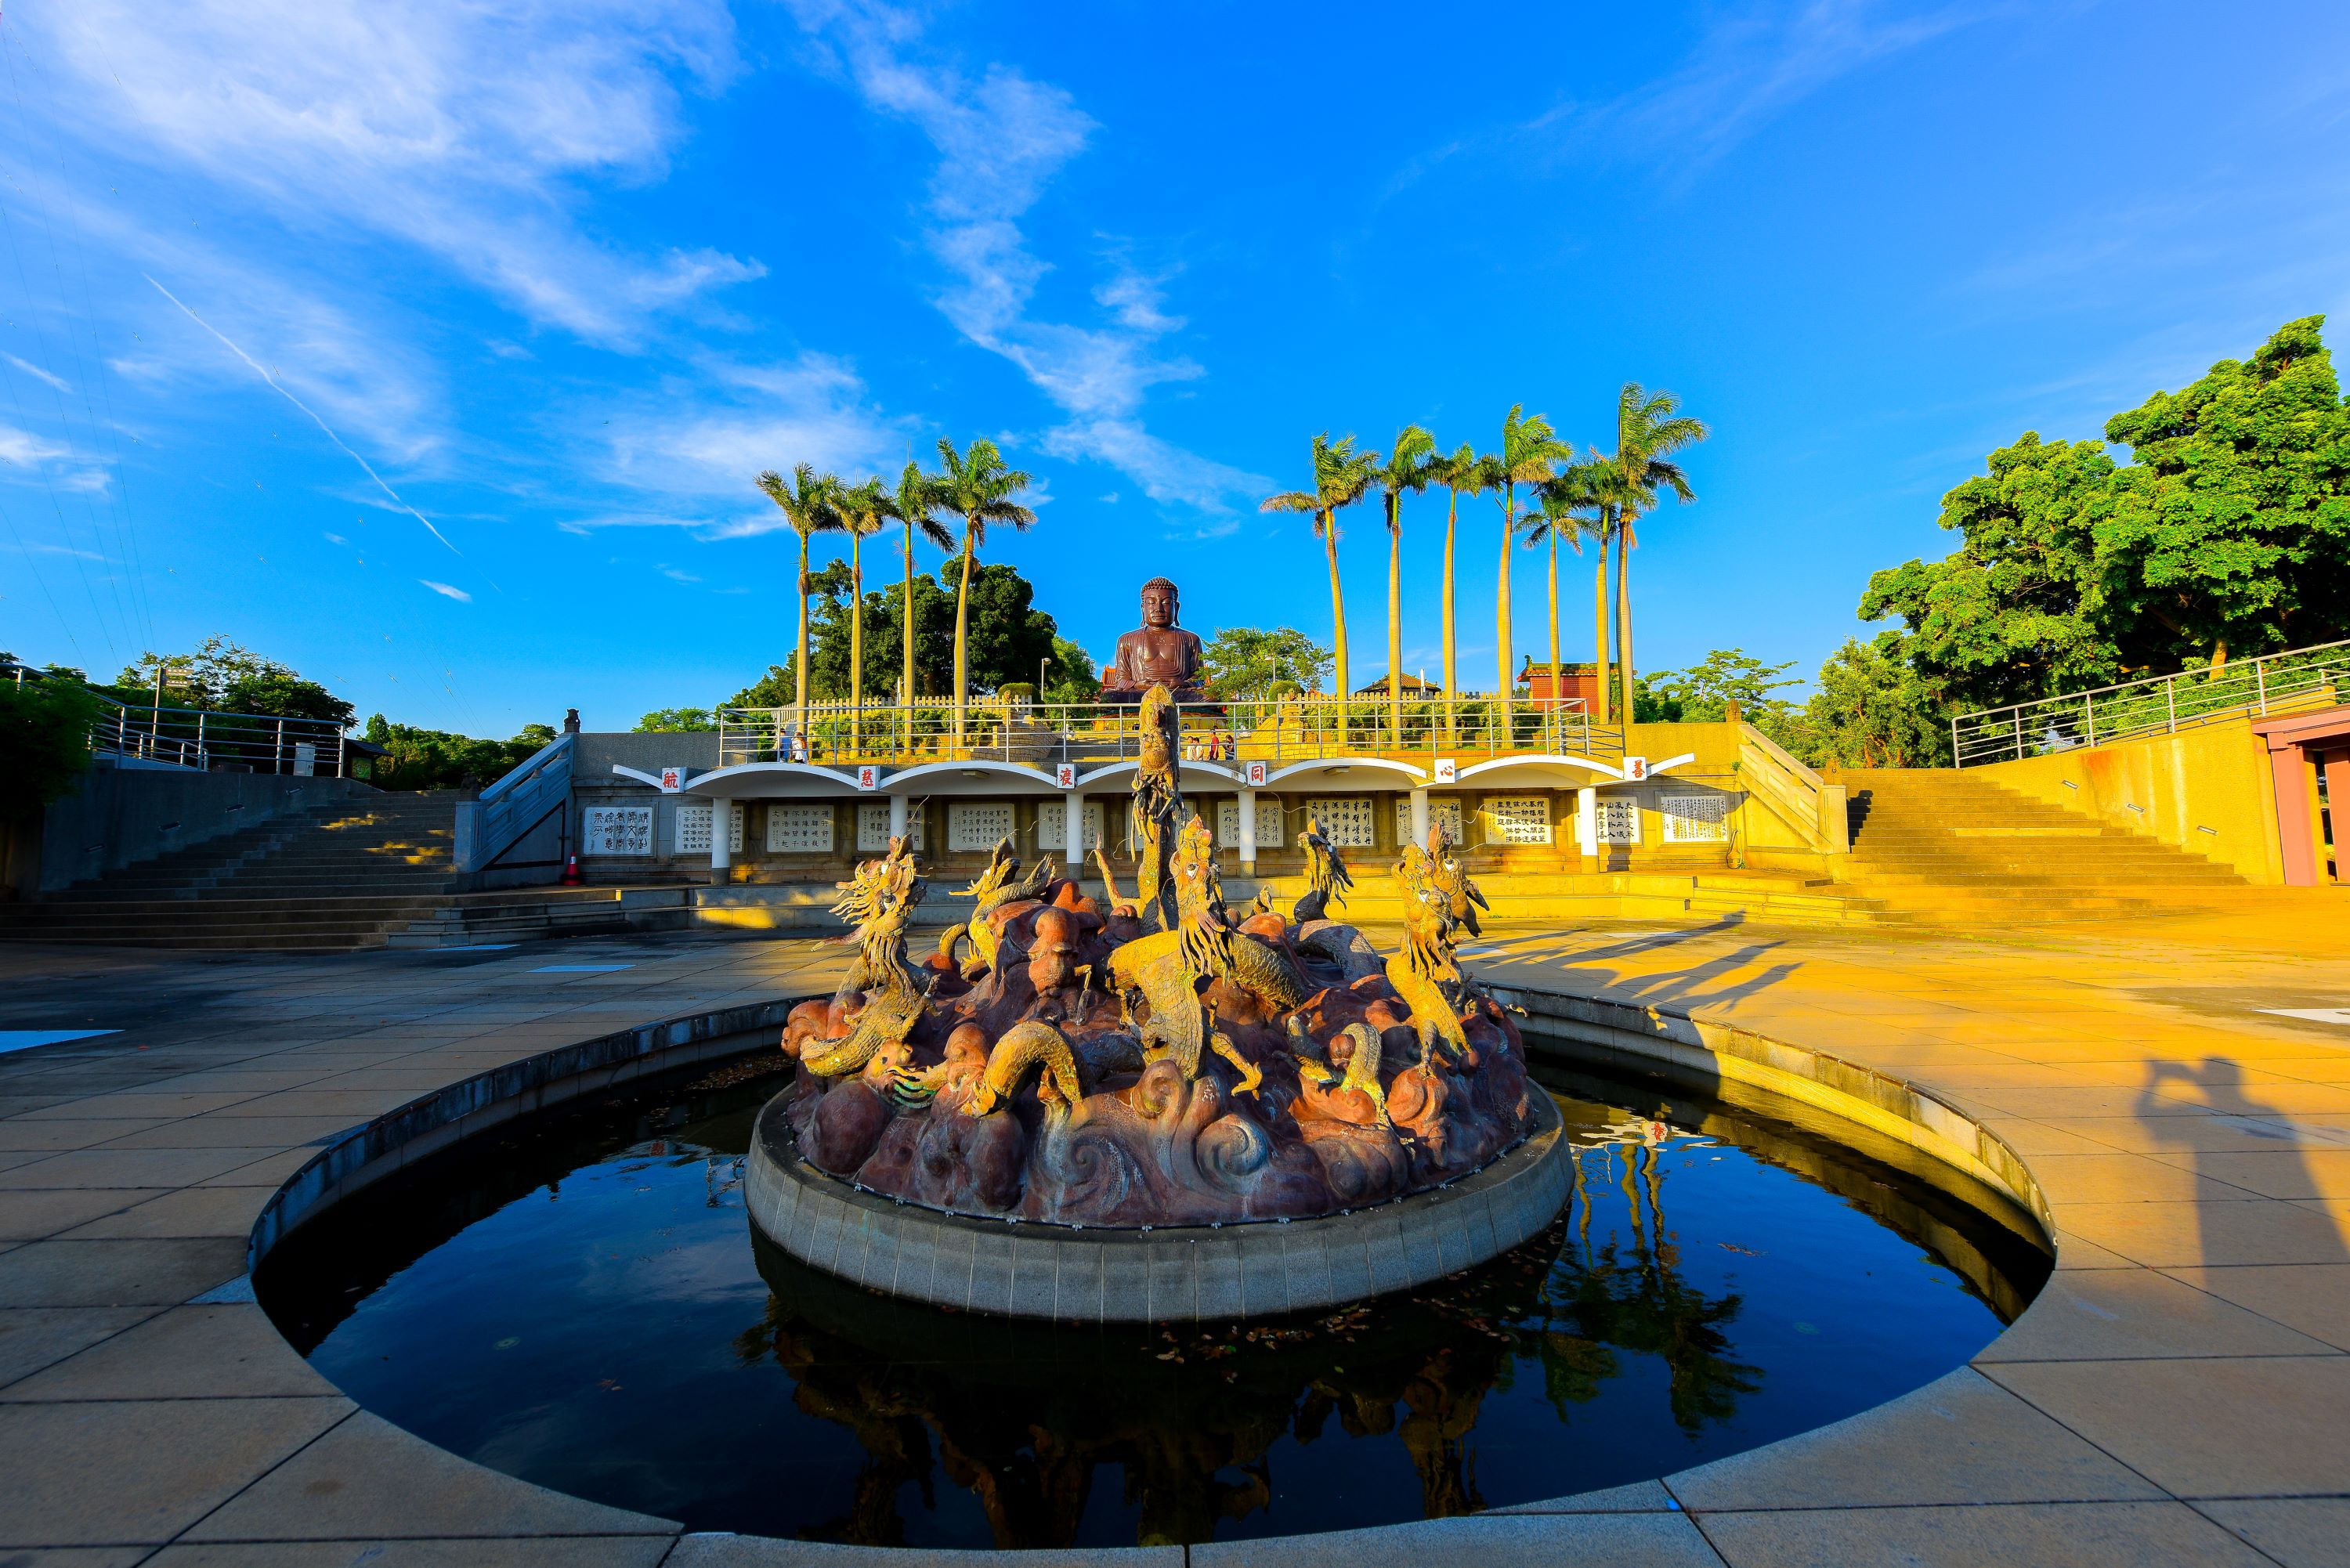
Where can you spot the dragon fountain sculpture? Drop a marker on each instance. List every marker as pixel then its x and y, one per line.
pixel 1159 1061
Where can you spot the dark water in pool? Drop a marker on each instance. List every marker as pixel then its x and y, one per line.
pixel 581 1301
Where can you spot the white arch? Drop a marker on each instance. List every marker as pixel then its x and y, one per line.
pixel 1327 764
pixel 1556 759
pixel 1014 773
pixel 1214 777
pixel 741 780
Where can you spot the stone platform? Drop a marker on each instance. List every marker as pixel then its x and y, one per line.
pixel 1091 1275
pixel 2176 1092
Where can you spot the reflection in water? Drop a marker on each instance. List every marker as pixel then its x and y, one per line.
pixel 591 1311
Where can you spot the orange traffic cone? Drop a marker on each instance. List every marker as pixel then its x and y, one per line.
pixel 571 877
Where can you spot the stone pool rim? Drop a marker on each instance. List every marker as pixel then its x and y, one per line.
pixel 1165 1273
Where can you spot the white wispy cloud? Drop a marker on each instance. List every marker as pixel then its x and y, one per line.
pixel 1000 137
pixel 459 129
pixel 34 371
pixel 21 449
pixel 446 591
pixel 738 421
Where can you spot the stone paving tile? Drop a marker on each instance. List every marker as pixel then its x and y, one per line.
pixel 116 1273
pixel 2219 1426
pixel 2299 1533
pixel 2186 1134
pixel 369 1480
pixel 545 1552
pixel 229 1132
pixel 1959 1439
pixel 52 1137
pixel 138 1103
pixel 74 1557
pixel 2116 1312
pixel 2290 1173
pixel 1620 1540
pixel 270 1170
pixel 2313 1298
pixel 2042 1535
pixel 2178 1235
pixel 2069 1179
pixel 187 1352
pixel 28 1214
pixel 141 1470
pixel 34 1337
pixel 93 1167
pixel 191 1212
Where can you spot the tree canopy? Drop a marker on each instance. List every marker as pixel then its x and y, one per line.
pixel 224 677
pixel 437 759
pixel 1008 638
pixel 1250 661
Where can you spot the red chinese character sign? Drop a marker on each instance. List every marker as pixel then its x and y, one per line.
pixel 1448 771
pixel 1256 774
pixel 672 780
pixel 1064 774
pixel 868 776
pixel 1636 769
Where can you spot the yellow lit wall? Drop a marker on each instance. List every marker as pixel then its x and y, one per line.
pixel 2207 790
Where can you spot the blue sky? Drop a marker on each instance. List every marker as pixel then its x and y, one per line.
pixel 433 349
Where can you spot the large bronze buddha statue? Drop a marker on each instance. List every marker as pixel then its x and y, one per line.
pixel 1156 653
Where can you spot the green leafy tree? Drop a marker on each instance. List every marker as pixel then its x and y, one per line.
pixel 1531 453
pixel 978 487
pixel 45 728
pixel 1341 477
pixel 224 677
pixel 1649 428
pixel 1703 692
pixel 1007 639
pixel 918 501
pixel 676 721
pixel 809 508
pixel 2230 527
pixel 1072 677
pixel 2015 612
pixel 1463 471
pixel 1872 709
pixel 437 759
pixel 1407 469
pixel 1249 663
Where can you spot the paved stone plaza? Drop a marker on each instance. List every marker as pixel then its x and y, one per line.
pixel 2177 1393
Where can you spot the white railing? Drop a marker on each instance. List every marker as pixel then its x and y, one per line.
pixel 2291 682
pixel 203 740
pixel 510 808
pixel 1274 729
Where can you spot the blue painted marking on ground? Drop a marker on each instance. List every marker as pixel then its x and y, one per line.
pixel 25 1039
pixel 476 947
pixel 580 968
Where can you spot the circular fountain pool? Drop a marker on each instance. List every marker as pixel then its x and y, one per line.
pixel 579 1300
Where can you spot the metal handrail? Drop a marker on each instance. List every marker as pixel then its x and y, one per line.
pixel 2291 681
pixel 1271 729
pixel 203 738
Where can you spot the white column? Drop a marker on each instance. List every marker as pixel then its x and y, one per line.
pixel 897 817
pixel 1586 820
pixel 1073 832
pixel 1248 833
pixel 1419 817
pixel 722 839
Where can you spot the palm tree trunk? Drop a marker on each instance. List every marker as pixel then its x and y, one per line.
pixel 1501 620
pixel 963 629
pixel 856 640
pixel 799 717
pixel 1337 609
pixel 1395 620
pixel 1451 688
pixel 906 688
pixel 1599 625
pixel 1553 615
pixel 1624 615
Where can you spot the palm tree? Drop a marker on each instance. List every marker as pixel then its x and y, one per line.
pixel 1463 471
pixel 1530 453
pixel 1341 476
pixel 916 499
pixel 1576 504
pixel 808 505
pixel 978 488
pixel 1649 428
pixel 1407 467
pixel 863 509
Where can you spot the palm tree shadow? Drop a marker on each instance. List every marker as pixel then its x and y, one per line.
pixel 1699 985
pixel 2221 1080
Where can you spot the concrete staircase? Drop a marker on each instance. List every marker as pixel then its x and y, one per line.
pixel 332 877
pixel 1950 848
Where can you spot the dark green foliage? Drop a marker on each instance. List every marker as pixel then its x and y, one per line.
pixel 435 758
pixel 1008 637
pixel 1871 709
pixel 2227 533
pixel 1700 693
pixel 223 676
pixel 670 720
pixel 1072 677
pixel 1250 661
pixel 44 736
